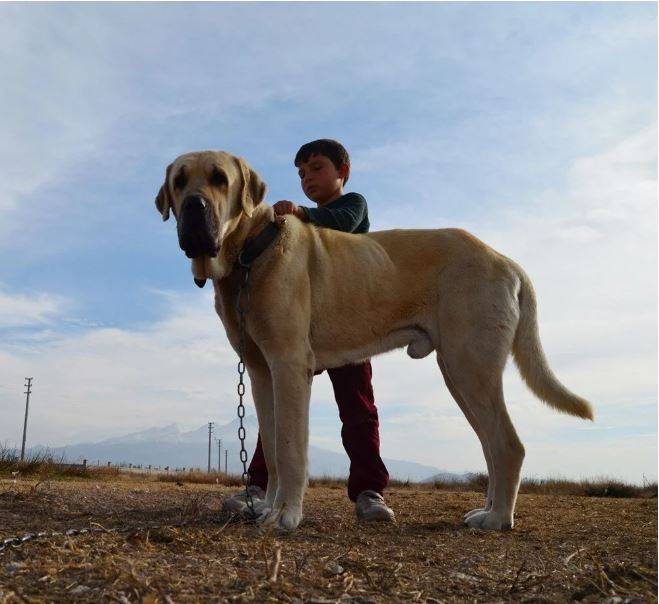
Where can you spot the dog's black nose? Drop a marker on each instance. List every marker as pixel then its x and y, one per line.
pixel 193 204
pixel 194 227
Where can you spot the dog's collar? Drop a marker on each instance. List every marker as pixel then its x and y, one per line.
pixel 255 245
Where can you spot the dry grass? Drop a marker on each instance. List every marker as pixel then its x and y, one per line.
pixel 563 548
pixel 220 478
pixel 599 487
pixel 44 467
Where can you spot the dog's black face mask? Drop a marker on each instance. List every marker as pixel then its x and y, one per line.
pixel 196 228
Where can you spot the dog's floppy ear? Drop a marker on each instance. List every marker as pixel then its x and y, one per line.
pixel 253 188
pixel 164 197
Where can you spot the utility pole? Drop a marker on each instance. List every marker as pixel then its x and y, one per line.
pixel 210 431
pixel 28 385
pixel 226 452
pixel 219 454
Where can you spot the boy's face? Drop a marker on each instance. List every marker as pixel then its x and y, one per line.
pixel 320 180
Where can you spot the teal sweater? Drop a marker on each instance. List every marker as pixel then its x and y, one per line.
pixel 348 213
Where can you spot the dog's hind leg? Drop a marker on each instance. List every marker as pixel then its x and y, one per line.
pixel 476 340
pixel 477 382
pixel 507 455
pixel 471 418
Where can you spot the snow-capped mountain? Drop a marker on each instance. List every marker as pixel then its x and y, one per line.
pixel 169 446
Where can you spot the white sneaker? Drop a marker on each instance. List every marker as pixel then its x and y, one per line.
pixel 237 503
pixel 370 507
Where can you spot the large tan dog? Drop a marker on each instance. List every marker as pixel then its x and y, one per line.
pixel 322 298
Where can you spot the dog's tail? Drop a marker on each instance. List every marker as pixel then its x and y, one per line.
pixel 531 360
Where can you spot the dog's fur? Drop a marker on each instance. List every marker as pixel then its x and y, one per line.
pixel 322 298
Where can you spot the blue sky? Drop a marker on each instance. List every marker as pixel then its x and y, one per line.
pixel 533 125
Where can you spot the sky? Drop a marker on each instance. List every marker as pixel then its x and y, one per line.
pixel 532 125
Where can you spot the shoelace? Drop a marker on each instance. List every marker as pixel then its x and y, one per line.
pixel 373 495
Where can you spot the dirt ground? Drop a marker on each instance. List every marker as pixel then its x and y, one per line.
pixel 562 548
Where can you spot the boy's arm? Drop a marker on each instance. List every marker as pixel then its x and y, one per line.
pixel 346 217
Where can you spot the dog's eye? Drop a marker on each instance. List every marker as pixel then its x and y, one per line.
pixel 180 181
pixel 217 179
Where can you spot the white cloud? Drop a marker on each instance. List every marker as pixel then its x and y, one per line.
pixel 79 74
pixel 106 380
pixel 20 310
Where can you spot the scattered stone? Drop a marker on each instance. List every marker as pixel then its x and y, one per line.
pixel 334 569
pixel 79 590
pixel 14 567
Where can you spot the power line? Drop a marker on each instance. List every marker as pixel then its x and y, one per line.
pixel 28 385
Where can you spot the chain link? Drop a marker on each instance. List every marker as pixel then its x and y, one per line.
pixel 15 542
pixel 242 306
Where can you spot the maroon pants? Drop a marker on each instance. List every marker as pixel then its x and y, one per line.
pixel 360 432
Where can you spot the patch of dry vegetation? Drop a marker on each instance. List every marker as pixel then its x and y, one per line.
pixel 176 546
pixel 597 487
pixel 44 467
pixel 227 480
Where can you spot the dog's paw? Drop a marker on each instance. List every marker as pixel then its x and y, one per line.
pixel 470 513
pixel 285 518
pixel 488 520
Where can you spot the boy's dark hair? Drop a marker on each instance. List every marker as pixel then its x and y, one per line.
pixel 333 150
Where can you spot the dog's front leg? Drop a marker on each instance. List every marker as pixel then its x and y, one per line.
pixel 261 381
pixel 291 379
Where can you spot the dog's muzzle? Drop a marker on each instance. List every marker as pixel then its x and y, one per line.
pixel 195 227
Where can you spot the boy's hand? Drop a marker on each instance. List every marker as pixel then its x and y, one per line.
pixel 288 207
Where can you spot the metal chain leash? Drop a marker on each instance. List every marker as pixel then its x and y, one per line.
pixel 242 306
pixel 15 542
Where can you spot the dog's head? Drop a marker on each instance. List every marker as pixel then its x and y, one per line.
pixel 208 192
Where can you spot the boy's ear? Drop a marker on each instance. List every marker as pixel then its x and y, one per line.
pixel 344 172
pixel 164 197
pixel 252 187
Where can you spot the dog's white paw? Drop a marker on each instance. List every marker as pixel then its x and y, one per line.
pixel 488 520
pixel 470 513
pixel 286 518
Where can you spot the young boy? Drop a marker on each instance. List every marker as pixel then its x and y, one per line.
pixel 324 168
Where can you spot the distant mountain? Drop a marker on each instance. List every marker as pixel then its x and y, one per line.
pixel 172 434
pixel 450 477
pixel 169 446
pixel 169 433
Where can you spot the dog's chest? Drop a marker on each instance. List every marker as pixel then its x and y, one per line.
pixel 226 298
